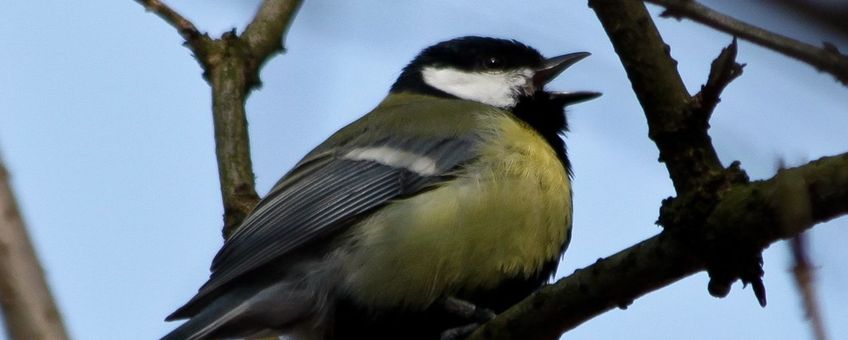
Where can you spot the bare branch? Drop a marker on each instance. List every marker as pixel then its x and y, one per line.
pixel 233 71
pixel 231 74
pixel 723 70
pixel 805 280
pixel 29 310
pixel 679 133
pixel 265 34
pixel 826 59
pixel 747 215
pixel 678 126
pixel 231 65
pixel 184 26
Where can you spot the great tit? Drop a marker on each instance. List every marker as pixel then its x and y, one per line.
pixel 456 187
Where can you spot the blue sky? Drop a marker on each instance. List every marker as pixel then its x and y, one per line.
pixel 106 129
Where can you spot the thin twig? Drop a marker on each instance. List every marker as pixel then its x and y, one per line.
pixel 805 280
pixel 723 70
pixel 826 59
pixel 185 27
pixel 792 201
pixel 231 66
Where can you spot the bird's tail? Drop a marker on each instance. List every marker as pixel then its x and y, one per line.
pixel 261 312
pixel 206 323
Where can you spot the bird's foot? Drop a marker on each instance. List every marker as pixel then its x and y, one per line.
pixel 459 333
pixel 467 311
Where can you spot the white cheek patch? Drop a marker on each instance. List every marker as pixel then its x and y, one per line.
pixel 422 165
pixel 499 88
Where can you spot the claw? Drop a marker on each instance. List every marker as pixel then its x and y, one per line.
pixel 466 310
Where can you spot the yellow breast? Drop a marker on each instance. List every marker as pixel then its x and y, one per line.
pixel 502 217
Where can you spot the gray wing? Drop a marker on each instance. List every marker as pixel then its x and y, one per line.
pixel 324 194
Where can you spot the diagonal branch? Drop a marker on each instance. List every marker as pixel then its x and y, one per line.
pixel 748 214
pixel 231 66
pixel 28 308
pixel 805 280
pixel 678 125
pixel 185 27
pixel 723 70
pixel 266 33
pixel 826 59
pixel 679 133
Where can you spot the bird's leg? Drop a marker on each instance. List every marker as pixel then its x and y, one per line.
pixel 459 333
pixel 467 311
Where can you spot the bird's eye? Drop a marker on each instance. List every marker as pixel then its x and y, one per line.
pixel 492 62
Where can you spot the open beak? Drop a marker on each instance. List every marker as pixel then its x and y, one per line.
pixel 552 67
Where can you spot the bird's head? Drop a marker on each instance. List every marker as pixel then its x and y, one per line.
pixel 492 71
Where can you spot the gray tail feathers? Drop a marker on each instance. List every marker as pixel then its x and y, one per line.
pixel 246 313
pixel 212 319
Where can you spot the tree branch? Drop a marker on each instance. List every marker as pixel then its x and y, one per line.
pixel 679 133
pixel 746 215
pixel 719 219
pixel 805 280
pixel 231 65
pixel 265 34
pixel 29 310
pixel 231 76
pixel 723 70
pixel 827 59
pixel 678 125
pixel 185 27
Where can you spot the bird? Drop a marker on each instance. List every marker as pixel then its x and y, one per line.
pixel 447 203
